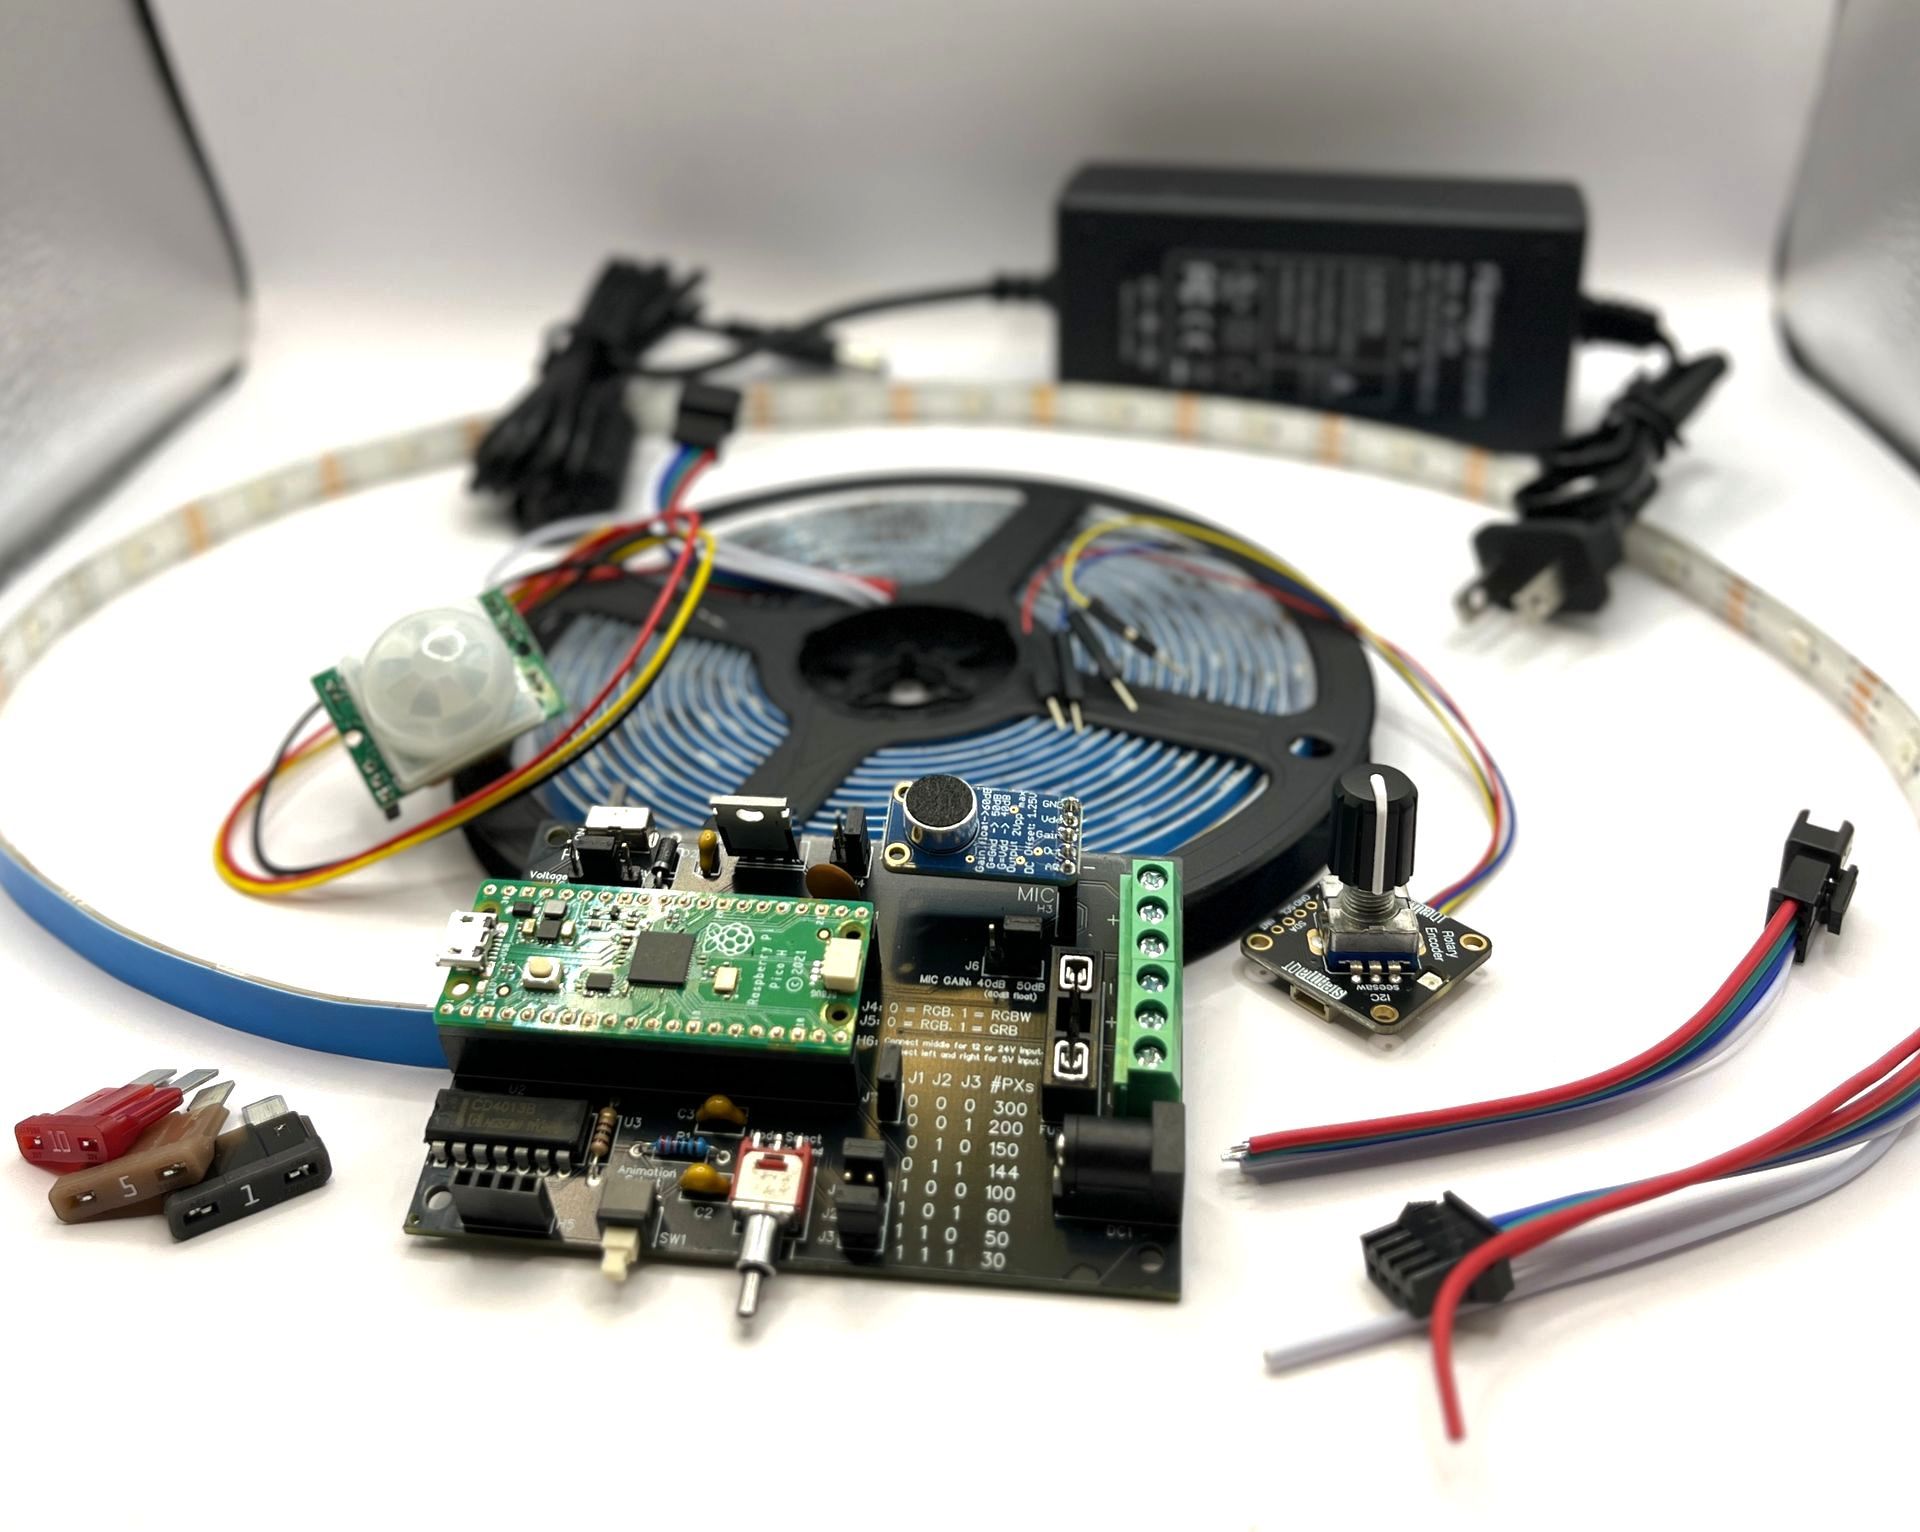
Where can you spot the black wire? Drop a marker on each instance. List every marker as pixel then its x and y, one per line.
pixel 267 863
pixel 1615 321
pixel 809 333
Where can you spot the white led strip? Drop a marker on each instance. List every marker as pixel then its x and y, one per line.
pixel 403 1033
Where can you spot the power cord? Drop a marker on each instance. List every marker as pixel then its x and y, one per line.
pixel 564 448
pixel 1574 513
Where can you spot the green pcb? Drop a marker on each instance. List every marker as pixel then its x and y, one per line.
pixel 667 967
pixel 535 676
pixel 352 729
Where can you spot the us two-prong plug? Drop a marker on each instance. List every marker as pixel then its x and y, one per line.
pixel 1574 515
pixel 1542 568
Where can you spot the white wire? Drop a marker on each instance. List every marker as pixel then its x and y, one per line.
pixel 733 558
pixel 1742 1206
pixel 567 529
pixel 755 564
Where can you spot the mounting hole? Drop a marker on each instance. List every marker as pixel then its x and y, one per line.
pixel 557 835
pixel 1153 1260
pixel 1150 1014
pixel 1473 941
pixel 853 930
pixel 1149 1054
pixel 898 855
pixel 1384 1014
pixel 438 1199
pixel 1309 746
pixel 908 659
pixel 839 1012
pixel 1152 978
pixel 1259 942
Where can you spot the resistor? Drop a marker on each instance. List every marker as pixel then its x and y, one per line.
pixel 601 1144
pixel 680 1146
pixel 708 849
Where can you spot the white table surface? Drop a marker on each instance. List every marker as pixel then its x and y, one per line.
pixel 316 1366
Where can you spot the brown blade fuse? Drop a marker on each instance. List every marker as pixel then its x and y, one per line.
pixel 175 1152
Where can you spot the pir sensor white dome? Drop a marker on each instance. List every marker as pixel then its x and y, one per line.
pixel 438 681
pixel 439 689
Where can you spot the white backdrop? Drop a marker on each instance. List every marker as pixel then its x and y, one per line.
pixel 420 188
pixel 429 153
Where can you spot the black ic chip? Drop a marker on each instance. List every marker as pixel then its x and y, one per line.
pixel 548 930
pixel 524 1122
pixel 554 909
pixel 522 908
pixel 660 958
pixel 598 981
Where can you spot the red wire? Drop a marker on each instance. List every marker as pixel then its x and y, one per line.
pixel 1520 1239
pixel 1535 1101
pixel 534 588
pixel 689 523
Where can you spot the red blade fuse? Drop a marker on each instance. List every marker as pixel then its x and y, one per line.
pixel 103 1126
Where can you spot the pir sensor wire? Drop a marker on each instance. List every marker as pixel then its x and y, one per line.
pixel 403 1033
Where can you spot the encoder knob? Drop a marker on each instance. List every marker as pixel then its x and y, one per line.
pixel 1374 808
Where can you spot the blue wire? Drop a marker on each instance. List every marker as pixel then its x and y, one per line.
pixel 670 476
pixel 1783 954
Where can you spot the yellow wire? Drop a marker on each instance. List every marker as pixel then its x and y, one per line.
pixel 589 735
pixel 1194 532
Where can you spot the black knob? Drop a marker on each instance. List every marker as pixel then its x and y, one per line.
pixel 1365 798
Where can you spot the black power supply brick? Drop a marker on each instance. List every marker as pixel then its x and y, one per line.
pixel 1447 305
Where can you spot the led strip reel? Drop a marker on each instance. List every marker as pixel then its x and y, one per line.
pixel 401 1033
pixel 792 694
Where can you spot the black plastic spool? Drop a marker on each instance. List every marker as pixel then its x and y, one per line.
pixel 836 674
